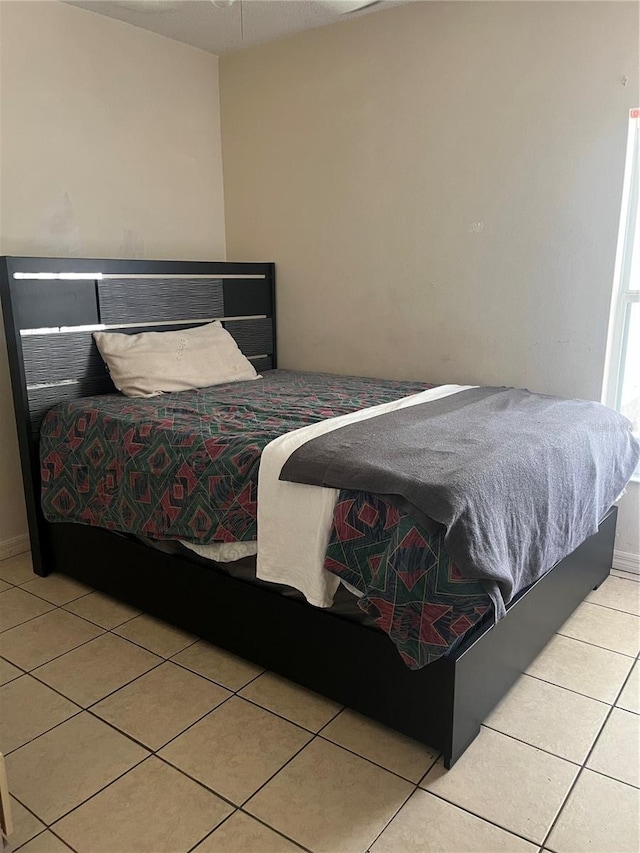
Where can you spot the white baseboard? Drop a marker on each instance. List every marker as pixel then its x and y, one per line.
pixel 626 561
pixel 11 547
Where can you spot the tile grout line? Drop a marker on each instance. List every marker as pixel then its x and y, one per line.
pixel 34 576
pixel 613 778
pixel 328 723
pixel 150 754
pixel 92 704
pixel 625 575
pixel 475 814
pixel 156 750
pixel 313 732
pixel 199 782
pixel 33 838
pixel 319 734
pixel 31 812
pixel 235 811
pixel 57 657
pixel 211 831
pixel 46 732
pixel 66 610
pixel 416 787
pixel 132 681
pixel 42 598
pixel 66 843
pixel 33 674
pixel 562 806
pixel 77 806
pixel 595 645
pixel 190 726
pixel 241 807
pixel 608 607
pixel 30 619
pixel 273 775
pixel 38 835
pixel 97 624
pixel 82 709
pixel 570 689
pixel 472 813
pixel 316 736
pixel 584 763
pixel 212 680
pixel 534 746
pixel 546 751
pixel 606 720
pixel 135 643
pixel 95 794
pixel 371 761
pixel 6 660
pixel 112 630
pixel 396 813
pixel 298 844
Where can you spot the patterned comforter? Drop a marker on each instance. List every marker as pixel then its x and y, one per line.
pixel 411 586
pixel 185 466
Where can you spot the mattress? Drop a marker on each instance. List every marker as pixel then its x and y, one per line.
pixel 184 467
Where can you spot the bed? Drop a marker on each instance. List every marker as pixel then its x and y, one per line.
pixel 51 307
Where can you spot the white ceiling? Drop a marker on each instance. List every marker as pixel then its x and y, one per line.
pixel 224 28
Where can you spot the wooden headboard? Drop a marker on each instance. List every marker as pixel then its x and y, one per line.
pixel 51 307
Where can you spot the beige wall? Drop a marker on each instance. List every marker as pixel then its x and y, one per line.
pixel 439 185
pixel 110 148
pixel 421 176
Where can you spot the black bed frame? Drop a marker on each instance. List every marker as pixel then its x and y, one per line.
pixel 52 357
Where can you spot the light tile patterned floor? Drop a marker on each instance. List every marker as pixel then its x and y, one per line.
pixel 126 735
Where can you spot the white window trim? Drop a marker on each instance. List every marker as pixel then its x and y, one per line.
pixel 622 296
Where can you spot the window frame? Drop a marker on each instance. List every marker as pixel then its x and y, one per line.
pixel 623 297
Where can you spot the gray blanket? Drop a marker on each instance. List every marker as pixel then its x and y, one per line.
pixel 518 480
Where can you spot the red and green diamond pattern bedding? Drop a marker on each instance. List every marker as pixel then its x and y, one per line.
pixel 412 588
pixel 185 466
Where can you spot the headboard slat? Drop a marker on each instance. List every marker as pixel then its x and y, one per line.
pixel 43 304
pixel 254 337
pixel 153 299
pixel 54 358
pixel 262 364
pixel 241 294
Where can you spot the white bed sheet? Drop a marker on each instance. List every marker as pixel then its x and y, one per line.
pixel 223 552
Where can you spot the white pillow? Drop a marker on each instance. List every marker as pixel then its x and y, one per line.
pixel 148 363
